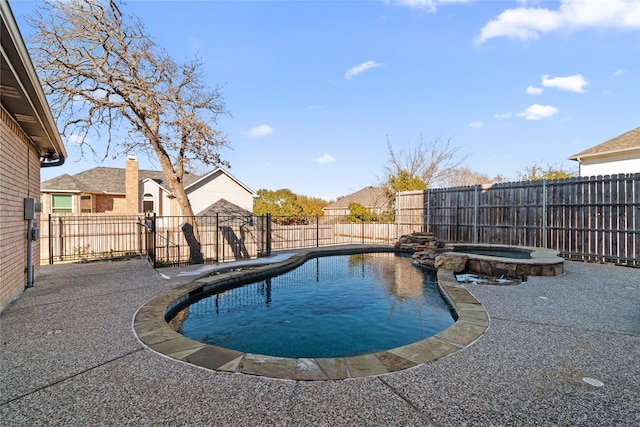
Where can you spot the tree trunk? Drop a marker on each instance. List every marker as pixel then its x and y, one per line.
pixel 189 227
pixel 195 249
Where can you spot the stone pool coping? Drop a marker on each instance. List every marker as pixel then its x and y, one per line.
pixel 543 261
pixel 153 331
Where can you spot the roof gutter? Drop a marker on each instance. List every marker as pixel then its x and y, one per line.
pixel 31 99
pixel 52 160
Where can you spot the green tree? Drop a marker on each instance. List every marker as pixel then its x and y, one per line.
pixel 359 213
pixel 404 181
pixel 278 203
pixel 312 206
pixel 286 206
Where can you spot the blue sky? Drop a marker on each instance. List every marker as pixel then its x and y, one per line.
pixel 315 88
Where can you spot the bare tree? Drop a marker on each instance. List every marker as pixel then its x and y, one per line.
pixel 102 72
pixel 430 161
pixel 462 176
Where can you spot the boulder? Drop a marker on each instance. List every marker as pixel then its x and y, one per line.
pixel 418 241
pixel 451 261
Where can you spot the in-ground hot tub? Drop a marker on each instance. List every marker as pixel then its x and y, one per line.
pixel 510 261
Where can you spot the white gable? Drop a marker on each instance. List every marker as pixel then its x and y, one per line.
pixel 216 185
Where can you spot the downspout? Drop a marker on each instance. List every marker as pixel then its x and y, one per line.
pixel 29 253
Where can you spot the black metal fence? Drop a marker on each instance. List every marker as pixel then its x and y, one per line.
pixel 69 237
pixel 223 238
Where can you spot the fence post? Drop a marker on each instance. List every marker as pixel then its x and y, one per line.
pixel 217 237
pixel 268 234
pixel 50 241
pixel 544 213
pixel 475 215
pixel 428 210
pixel 457 239
pixel 61 238
pixel 317 231
pixel 153 240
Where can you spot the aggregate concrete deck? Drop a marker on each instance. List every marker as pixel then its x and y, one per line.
pixel 69 356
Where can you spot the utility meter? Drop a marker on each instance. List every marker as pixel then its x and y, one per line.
pixel 31 207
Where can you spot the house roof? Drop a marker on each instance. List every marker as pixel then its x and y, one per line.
pixel 369 197
pixel 22 94
pixel 225 208
pixel 105 180
pixel 229 215
pixel 628 141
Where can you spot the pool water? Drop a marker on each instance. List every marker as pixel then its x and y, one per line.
pixel 334 306
pixel 513 253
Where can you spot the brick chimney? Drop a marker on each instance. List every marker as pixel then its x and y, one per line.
pixel 132 197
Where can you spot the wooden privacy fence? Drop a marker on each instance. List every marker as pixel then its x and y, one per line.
pixel 328 230
pixel 589 218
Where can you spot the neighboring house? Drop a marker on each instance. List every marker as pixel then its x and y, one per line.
pixel 374 198
pixel 129 190
pixel 29 140
pixel 618 155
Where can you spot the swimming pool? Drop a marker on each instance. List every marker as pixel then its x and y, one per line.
pixel 330 306
pixel 152 330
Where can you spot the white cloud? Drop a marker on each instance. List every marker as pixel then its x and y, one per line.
pixel 527 23
pixel 428 5
pixel 74 140
pixel 537 112
pixel 575 83
pixel 532 90
pixel 502 116
pixel 476 125
pixel 619 72
pixel 326 158
pixel 259 131
pixel 352 72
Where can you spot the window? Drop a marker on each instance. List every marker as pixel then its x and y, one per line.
pixel 85 204
pixel 61 203
pixel 147 203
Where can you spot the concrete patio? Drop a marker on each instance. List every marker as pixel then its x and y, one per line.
pixel 69 356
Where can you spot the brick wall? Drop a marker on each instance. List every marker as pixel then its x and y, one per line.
pixel 109 204
pixel 19 179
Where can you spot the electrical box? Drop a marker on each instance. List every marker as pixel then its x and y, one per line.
pixel 31 207
pixel 35 234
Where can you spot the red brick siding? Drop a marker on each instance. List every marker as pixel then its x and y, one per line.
pixel 19 179
pixel 109 204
